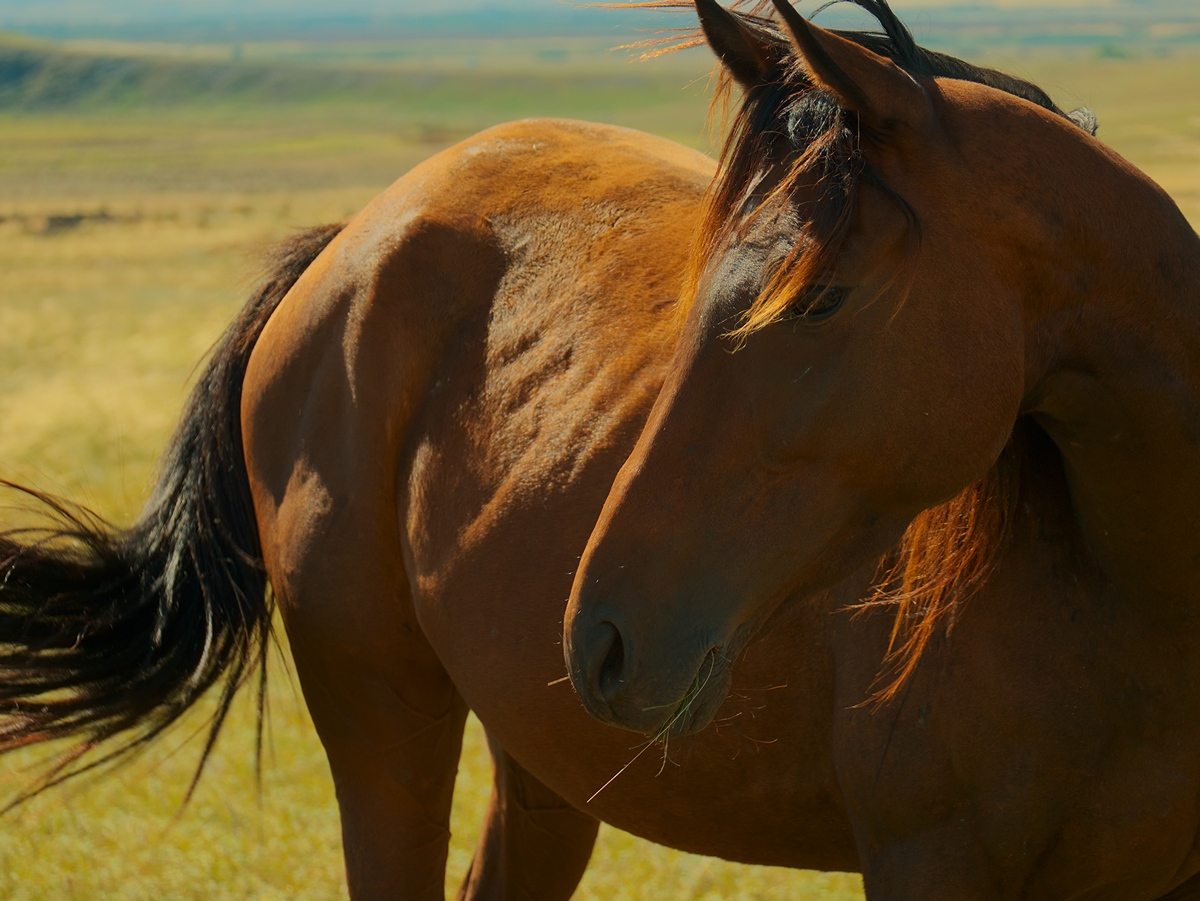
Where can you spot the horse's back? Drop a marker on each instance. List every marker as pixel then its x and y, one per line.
pixel 489 240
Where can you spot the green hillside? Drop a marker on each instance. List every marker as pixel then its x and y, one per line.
pixel 535 80
pixel 44 77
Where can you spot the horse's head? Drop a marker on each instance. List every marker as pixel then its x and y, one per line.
pixel 854 354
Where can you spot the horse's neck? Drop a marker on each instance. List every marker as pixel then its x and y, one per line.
pixel 1119 391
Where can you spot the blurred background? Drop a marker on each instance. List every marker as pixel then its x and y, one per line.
pixel 151 150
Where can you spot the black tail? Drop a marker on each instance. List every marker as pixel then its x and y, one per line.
pixel 107 636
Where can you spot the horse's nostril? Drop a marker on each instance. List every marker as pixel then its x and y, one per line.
pixel 613 669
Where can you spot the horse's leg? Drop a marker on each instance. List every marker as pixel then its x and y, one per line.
pixel 940 865
pixel 534 844
pixel 942 881
pixel 387 713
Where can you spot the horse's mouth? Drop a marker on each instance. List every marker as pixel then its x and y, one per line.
pixel 699 705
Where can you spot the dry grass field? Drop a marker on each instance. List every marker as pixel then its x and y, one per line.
pixel 128 237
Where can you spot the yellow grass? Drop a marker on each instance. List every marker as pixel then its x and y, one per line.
pixel 100 327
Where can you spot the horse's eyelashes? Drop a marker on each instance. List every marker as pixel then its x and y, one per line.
pixel 817 302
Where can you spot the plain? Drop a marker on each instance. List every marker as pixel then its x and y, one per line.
pixel 131 214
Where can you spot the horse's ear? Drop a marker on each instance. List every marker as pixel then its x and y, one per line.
pixel 883 95
pixel 740 50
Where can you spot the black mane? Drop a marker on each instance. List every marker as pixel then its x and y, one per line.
pixel 785 118
pixel 893 41
pixel 897 44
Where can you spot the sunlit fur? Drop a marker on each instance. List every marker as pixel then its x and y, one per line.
pixel 785 121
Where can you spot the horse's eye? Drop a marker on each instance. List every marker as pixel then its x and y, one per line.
pixel 817 302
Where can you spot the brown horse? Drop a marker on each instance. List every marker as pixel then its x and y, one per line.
pixel 942 356
pixel 931 330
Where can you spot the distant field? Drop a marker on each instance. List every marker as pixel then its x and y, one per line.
pixel 131 213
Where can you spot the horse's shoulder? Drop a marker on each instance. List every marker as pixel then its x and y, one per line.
pixel 548 202
pixel 531 227
pixel 471 208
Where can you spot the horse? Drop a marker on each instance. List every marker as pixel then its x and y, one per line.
pixel 860 411
pixel 940 359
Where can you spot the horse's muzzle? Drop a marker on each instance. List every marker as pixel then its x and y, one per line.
pixel 676 697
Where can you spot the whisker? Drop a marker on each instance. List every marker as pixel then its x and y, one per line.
pixel 770 688
pixel 660 706
pixel 666 757
pixel 761 741
pixel 618 773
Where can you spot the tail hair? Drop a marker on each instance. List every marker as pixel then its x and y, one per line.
pixel 108 635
